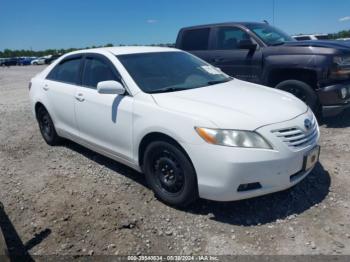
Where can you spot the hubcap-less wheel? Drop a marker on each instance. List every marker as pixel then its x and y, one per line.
pixel 46 127
pixel 169 174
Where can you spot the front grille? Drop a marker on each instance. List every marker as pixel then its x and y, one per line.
pixel 296 137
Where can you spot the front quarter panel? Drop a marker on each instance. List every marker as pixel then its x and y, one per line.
pixel 150 118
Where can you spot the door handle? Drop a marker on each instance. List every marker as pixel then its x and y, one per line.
pixel 80 97
pixel 46 87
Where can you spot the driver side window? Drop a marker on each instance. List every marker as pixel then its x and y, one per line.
pixel 229 38
pixel 97 70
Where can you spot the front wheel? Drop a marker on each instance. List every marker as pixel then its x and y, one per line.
pixel 47 127
pixel 170 174
pixel 301 90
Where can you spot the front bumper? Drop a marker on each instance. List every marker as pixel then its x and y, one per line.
pixel 331 101
pixel 222 170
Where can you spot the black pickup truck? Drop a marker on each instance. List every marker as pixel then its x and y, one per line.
pixel 318 72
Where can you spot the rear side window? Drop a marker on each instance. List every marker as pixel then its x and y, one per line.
pixel 67 71
pixel 96 70
pixel 197 39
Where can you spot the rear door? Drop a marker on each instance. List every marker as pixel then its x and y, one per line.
pixel 104 120
pixel 244 64
pixel 60 87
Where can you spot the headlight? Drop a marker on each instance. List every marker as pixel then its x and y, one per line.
pixel 341 69
pixel 342 60
pixel 234 138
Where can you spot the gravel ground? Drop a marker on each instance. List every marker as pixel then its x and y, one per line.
pixel 70 200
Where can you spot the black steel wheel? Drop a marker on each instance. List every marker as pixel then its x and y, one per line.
pixel 47 127
pixel 170 174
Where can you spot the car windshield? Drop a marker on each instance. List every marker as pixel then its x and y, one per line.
pixel 170 71
pixel 269 34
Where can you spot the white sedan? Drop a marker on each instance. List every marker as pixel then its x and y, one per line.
pixel 38 61
pixel 193 130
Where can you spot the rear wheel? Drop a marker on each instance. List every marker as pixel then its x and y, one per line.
pixel 47 127
pixel 301 90
pixel 170 174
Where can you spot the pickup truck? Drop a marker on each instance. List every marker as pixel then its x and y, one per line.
pixel 317 72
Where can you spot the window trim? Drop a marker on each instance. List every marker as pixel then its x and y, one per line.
pixel 196 29
pixel 215 37
pixel 103 59
pixel 70 57
pixel 82 56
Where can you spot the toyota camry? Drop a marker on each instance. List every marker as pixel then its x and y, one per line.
pixel 191 129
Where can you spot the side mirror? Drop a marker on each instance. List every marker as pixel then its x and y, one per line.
pixel 110 87
pixel 247 44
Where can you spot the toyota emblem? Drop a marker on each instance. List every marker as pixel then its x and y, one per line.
pixel 307 124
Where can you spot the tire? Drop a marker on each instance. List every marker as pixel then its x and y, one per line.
pixel 301 90
pixel 47 128
pixel 170 174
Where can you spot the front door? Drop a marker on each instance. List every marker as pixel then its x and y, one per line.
pixel 104 120
pixel 243 64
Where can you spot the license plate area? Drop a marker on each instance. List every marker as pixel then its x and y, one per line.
pixel 311 158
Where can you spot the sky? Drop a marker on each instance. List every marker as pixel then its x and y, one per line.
pixel 43 24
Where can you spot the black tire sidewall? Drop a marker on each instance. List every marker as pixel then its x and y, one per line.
pixel 54 138
pixel 311 96
pixel 189 192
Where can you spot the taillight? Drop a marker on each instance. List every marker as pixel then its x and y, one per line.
pixel 30 85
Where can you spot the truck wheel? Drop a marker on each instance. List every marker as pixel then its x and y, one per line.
pixel 301 90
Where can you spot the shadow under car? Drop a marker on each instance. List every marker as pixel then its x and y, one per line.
pixel 312 190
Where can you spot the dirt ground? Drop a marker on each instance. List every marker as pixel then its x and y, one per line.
pixel 70 200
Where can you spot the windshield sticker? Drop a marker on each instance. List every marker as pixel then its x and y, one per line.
pixel 211 70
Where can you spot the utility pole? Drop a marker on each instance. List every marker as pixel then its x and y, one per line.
pixel 273 12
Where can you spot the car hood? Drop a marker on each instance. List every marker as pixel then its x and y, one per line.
pixel 320 43
pixel 234 105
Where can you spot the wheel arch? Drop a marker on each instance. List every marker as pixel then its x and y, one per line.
pixel 279 75
pixel 38 105
pixel 158 136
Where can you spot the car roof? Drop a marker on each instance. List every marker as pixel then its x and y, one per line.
pixel 124 50
pixel 246 24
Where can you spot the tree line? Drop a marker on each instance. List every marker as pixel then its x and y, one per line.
pixel 341 34
pixel 19 53
pixel 6 53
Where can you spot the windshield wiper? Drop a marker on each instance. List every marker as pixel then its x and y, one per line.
pixel 168 89
pixel 219 81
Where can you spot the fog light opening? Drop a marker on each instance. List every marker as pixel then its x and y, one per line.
pixel 248 187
